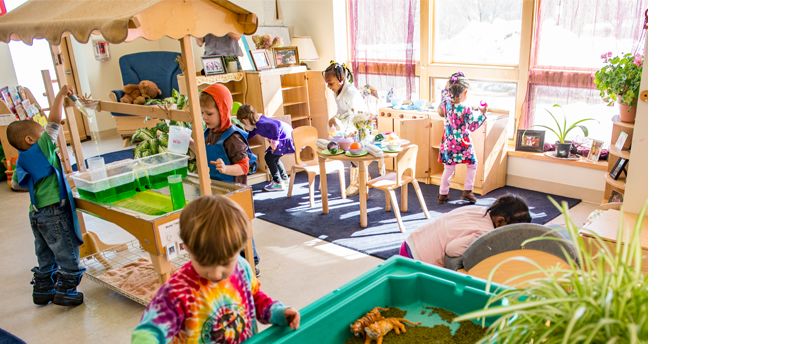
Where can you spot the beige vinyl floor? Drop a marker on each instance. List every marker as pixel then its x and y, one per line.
pixel 295 268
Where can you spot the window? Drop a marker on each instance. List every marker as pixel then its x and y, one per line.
pixel 570 36
pixel 384 41
pixel 576 104
pixel 382 30
pixel 384 83
pixel 499 95
pixel 477 31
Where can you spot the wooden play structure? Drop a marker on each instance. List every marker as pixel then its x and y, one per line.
pixel 118 22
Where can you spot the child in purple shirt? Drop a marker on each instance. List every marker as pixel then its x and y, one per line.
pixel 280 141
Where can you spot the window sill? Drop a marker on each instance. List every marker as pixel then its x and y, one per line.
pixel 600 165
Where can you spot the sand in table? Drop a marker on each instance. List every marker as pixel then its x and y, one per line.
pixel 137 278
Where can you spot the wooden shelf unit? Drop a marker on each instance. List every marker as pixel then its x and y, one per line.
pixel 618 185
pixel 296 98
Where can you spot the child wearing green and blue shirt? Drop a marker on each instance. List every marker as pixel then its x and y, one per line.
pixel 52 212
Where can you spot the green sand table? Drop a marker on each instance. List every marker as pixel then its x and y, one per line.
pixel 413 287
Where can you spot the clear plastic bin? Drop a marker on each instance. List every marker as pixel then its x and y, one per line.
pixel 160 166
pixel 112 183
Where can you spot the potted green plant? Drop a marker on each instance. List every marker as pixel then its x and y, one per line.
pixel 563 147
pixel 601 298
pixel 619 81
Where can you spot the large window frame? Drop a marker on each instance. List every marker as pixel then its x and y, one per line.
pixel 427 69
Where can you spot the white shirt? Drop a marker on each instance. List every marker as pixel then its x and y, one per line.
pixel 349 101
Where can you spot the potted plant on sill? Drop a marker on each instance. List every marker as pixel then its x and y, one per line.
pixel 601 298
pixel 563 146
pixel 619 81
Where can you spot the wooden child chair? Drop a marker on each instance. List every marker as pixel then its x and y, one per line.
pixel 405 174
pixel 304 137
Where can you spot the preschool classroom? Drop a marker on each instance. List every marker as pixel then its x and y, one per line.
pixel 323 171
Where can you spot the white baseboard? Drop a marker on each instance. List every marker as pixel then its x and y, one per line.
pixel 587 195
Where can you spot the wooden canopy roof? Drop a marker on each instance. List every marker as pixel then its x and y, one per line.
pixel 124 20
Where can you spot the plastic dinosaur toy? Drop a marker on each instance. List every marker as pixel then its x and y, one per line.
pixel 379 329
pixel 371 317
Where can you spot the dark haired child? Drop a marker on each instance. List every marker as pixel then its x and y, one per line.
pixel 349 101
pixel 215 297
pixel 52 212
pixel 456 145
pixel 280 139
pixel 452 233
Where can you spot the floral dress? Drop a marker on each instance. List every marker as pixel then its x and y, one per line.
pixel 456 146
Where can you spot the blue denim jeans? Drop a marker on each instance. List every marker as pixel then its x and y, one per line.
pixel 54 240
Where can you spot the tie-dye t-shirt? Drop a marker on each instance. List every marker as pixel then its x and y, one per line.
pixel 191 309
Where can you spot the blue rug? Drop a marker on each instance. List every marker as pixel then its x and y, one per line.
pixel 382 237
pixel 8 338
pixel 113 156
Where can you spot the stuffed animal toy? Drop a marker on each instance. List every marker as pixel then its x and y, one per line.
pixel 140 93
pixel 266 41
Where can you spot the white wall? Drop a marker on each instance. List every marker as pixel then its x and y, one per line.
pixel 7 76
pixel 556 178
pixel 636 187
pixel 324 21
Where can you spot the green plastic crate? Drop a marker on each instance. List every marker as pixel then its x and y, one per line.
pixel 399 282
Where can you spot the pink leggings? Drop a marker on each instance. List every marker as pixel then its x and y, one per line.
pixel 449 170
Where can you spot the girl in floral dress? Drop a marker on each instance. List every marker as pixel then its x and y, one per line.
pixel 456 146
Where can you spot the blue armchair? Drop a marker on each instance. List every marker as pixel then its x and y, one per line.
pixel 158 66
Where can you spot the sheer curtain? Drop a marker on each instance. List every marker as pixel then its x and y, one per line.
pixel 384 39
pixel 570 36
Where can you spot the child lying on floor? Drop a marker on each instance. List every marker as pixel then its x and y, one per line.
pixel 215 297
pixel 453 232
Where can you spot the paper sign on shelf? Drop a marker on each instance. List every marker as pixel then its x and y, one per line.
pixel 169 233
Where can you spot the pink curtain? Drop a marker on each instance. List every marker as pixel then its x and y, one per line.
pixel 384 41
pixel 569 37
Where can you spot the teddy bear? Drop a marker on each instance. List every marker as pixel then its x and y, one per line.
pixel 140 93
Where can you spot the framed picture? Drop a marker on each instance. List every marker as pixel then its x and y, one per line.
pixel 615 197
pixel 261 61
pixel 213 65
pixel 246 61
pixel 621 141
pixel 618 168
pixel 286 56
pixel 530 140
pixel 594 151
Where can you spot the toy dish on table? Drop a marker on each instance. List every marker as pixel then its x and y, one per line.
pixel 328 153
pixel 388 149
pixel 356 154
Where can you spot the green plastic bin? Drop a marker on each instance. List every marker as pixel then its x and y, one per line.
pixel 399 282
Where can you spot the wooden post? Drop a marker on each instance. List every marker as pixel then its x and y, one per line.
pixel 58 64
pixel 195 110
pixel 523 72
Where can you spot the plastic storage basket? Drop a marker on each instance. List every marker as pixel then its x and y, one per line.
pixel 399 282
pixel 114 182
pixel 160 166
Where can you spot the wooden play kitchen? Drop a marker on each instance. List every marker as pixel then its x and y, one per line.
pixel 134 194
pixel 426 128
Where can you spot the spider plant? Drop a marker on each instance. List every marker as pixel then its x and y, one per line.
pixel 562 131
pixel 601 298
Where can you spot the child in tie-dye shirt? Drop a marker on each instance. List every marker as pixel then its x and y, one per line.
pixel 214 298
